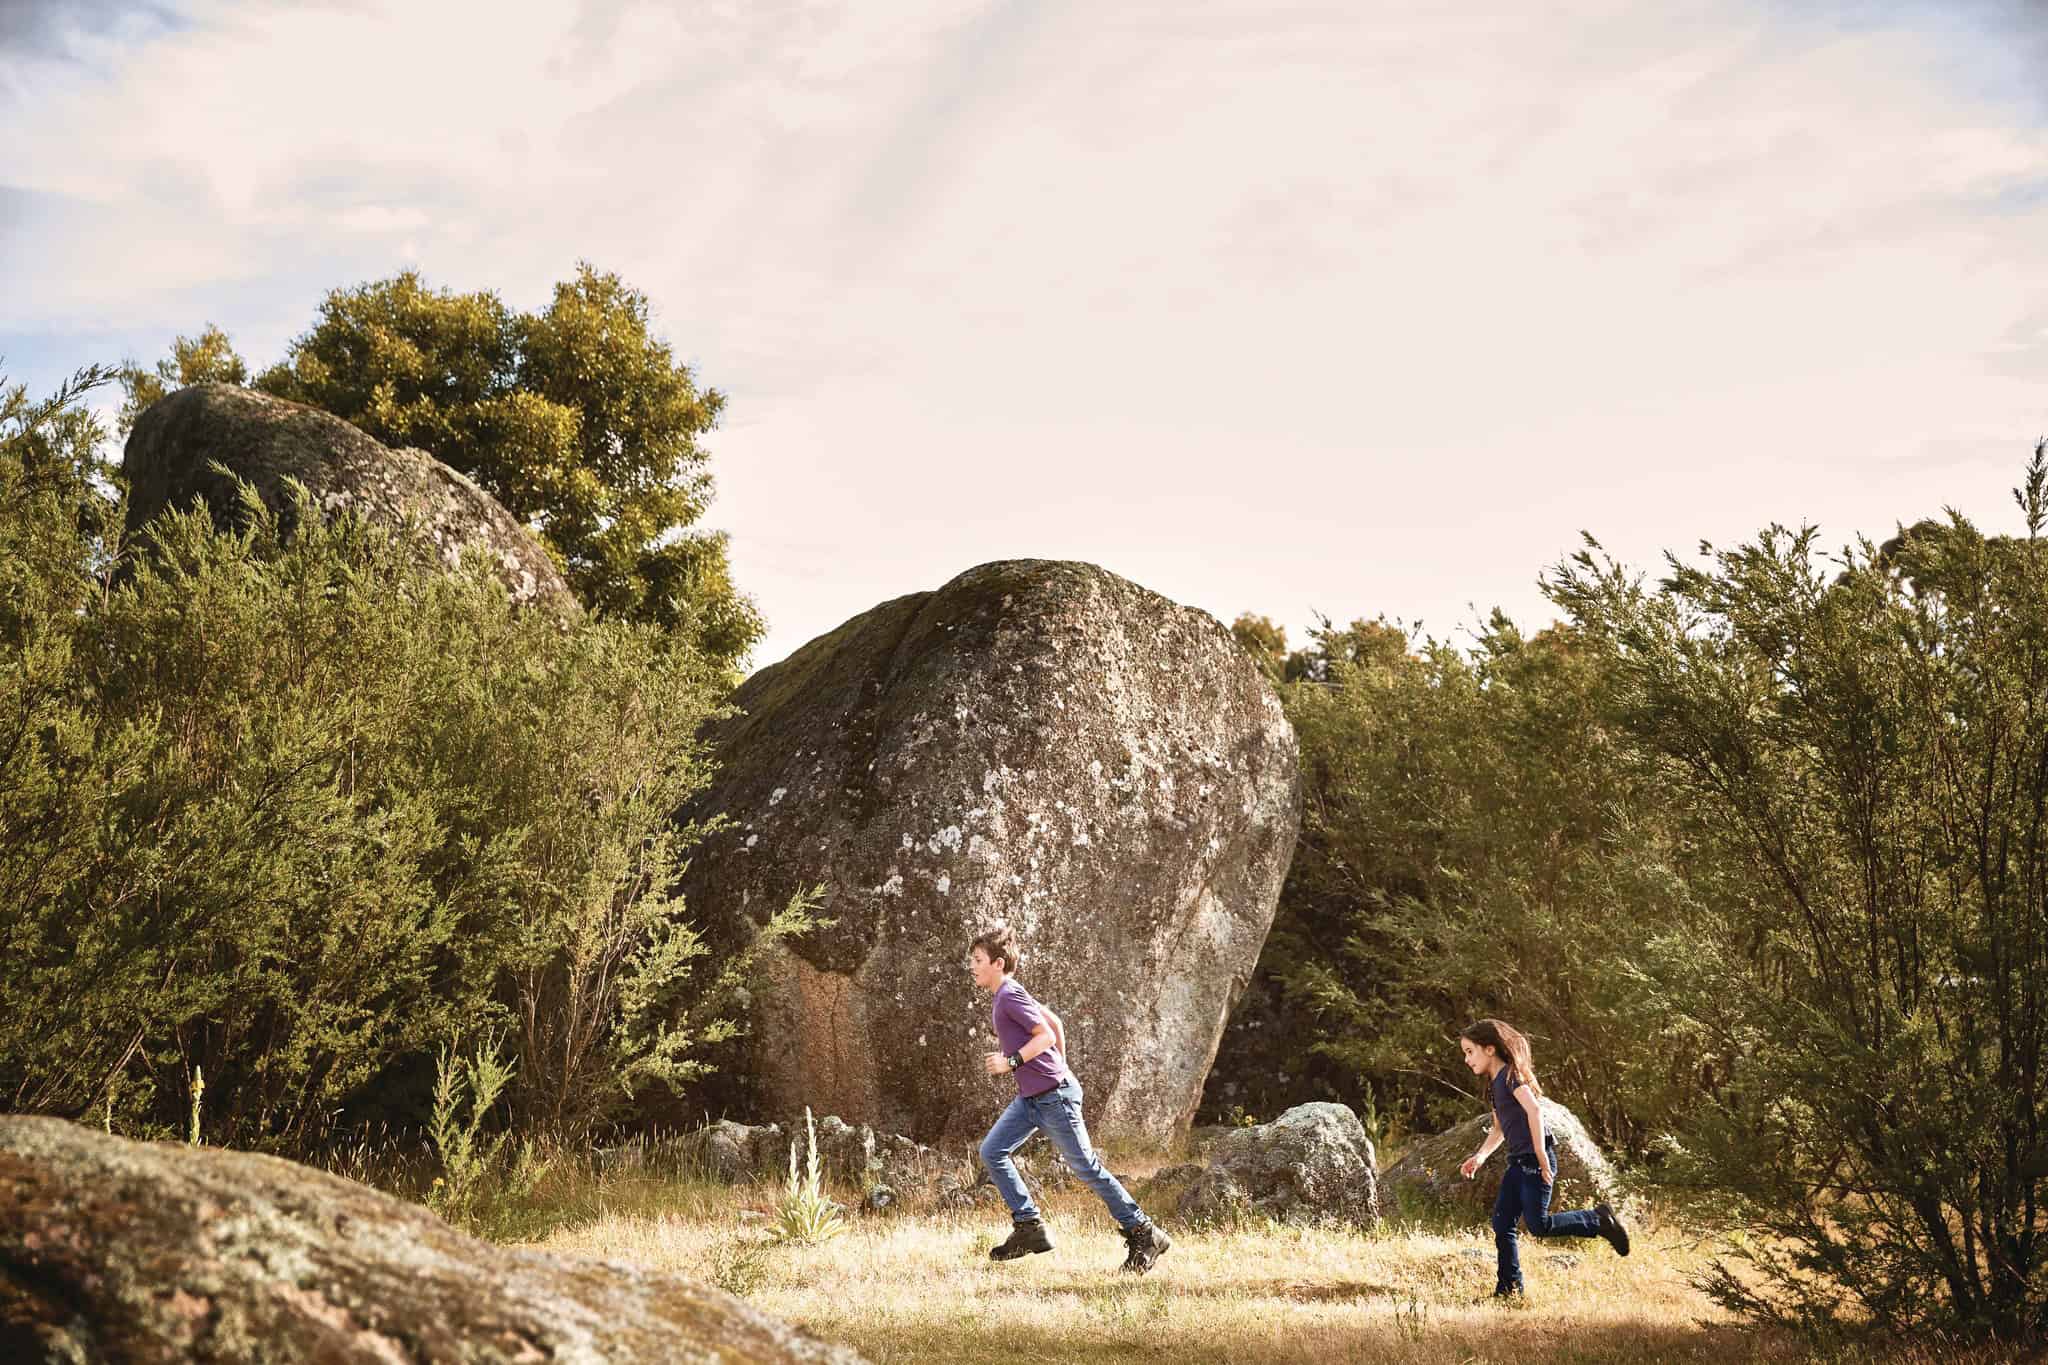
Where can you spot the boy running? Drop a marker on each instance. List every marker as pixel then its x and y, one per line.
pixel 1049 1098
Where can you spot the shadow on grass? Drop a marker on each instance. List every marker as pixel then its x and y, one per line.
pixel 1482 1336
pixel 1388 1336
pixel 1292 1291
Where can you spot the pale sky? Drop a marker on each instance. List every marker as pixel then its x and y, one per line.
pixel 1289 308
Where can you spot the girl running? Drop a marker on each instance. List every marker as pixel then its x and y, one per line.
pixel 1501 1055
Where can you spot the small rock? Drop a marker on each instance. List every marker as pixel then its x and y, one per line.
pixel 734 1153
pixel 1313 1164
pixel 967 1196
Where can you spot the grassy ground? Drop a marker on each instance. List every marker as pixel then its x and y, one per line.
pixel 917 1288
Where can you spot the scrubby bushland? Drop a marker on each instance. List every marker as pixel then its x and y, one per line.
pixel 297 812
pixel 1758 853
pixel 1867 734
pixel 1477 839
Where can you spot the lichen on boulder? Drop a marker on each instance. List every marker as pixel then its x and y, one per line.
pixel 1039 743
pixel 1313 1164
pixel 158 1252
pixel 268 441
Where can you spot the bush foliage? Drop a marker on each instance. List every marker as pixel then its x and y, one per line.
pixel 1758 854
pixel 298 812
pixel 1866 735
pixel 1477 840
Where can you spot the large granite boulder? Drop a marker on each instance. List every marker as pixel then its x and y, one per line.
pixel 145 1252
pixel 1313 1164
pixel 1425 1180
pixel 1040 743
pixel 266 440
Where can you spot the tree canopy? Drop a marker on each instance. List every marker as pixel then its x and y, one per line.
pixel 293 812
pixel 207 358
pixel 577 417
pixel 1863 735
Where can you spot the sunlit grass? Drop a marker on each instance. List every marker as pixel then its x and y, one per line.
pixel 918 1287
pixel 914 1286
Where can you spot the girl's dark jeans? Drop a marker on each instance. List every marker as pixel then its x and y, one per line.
pixel 1524 1195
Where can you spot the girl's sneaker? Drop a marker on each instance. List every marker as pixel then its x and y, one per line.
pixel 1611 1229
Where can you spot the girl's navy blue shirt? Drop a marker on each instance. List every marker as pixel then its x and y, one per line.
pixel 1509 1116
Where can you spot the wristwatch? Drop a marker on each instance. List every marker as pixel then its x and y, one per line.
pixel 1015 1059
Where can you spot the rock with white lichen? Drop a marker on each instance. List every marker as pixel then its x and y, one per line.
pixel 177 440
pixel 146 1252
pixel 1037 742
pixel 1314 1164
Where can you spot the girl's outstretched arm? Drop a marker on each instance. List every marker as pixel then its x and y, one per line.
pixel 1478 1158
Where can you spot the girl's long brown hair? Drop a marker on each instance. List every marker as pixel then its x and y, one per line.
pixel 1506 1041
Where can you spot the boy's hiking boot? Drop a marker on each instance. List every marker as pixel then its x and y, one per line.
pixel 1147 1243
pixel 1025 1240
pixel 1611 1229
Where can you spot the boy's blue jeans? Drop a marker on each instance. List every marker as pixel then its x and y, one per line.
pixel 1523 1194
pixel 1058 1112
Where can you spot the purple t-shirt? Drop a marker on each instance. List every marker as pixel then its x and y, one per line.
pixel 1017 1017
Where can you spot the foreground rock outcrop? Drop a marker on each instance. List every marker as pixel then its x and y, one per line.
pixel 1040 743
pixel 1426 1181
pixel 145 1252
pixel 266 440
pixel 1313 1164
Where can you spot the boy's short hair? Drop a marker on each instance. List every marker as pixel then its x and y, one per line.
pixel 998 944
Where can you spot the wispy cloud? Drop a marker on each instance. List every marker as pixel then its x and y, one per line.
pixel 1261 304
pixel 55 30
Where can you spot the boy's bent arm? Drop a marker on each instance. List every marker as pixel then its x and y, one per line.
pixel 1042 1039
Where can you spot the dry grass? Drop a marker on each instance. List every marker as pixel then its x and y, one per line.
pixel 919 1288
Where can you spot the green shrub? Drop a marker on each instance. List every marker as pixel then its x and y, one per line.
pixel 293 811
pixel 806 1215
pixel 1866 736
pixel 1477 840
pixel 478 1187
pixel 738 1264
